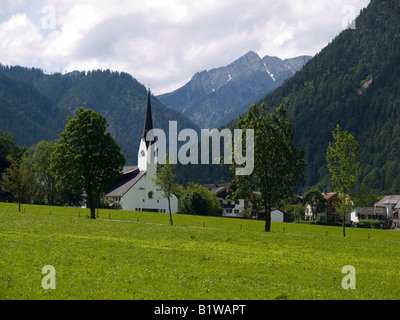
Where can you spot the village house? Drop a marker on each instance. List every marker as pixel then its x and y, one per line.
pixel 329 214
pixel 386 210
pixel 368 213
pixel 136 189
pixel 236 209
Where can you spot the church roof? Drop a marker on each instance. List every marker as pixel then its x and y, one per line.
pixel 128 169
pixel 120 187
pixel 148 122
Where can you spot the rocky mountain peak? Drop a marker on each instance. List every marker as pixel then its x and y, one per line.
pixel 213 98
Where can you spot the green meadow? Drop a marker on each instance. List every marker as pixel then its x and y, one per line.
pixel 137 255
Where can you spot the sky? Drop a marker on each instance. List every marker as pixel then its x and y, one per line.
pixel 163 43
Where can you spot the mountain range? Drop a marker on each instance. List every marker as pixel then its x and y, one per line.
pixel 213 98
pixel 354 82
pixel 35 106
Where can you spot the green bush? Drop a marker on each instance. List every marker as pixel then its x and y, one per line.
pixel 197 200
pixel 367 224
pixel 332 224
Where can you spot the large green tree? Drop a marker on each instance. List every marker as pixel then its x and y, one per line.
pixel 87 156
pixel 278 164
pixel 344 169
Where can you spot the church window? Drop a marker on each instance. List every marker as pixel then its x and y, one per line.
pixel 151 194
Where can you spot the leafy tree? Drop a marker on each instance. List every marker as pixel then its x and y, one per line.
pixel 344 169
pixel 87 156
pixel 316 200
pixel 19 180
pixel 199 201
pixel 8 147
pixel 39 163
pixel 296 211
pixel 165 179
pixel 245 213
pixel 69 195
pixel 193 202
pixel 278 164
pixel 293 207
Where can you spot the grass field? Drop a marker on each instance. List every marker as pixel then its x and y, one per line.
pixel 137 255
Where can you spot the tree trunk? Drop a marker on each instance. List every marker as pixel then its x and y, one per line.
pixel 170 214
pixel 19 205
pixel 268 224
pixel 92 204
pixel 267 208
pixel 344 228
pixel 93 212
pixel 51 196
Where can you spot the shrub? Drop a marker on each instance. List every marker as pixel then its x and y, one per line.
pixel 374 224
pixel 199 201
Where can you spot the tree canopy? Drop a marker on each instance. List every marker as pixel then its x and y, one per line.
pixel 197 200
pixel 344 169
pixel 87 156
pixel 278 164
pixel 19 180
pixel 165 179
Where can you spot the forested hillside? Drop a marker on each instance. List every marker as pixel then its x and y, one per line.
pixel 354 82
pixel 40 103
pixel 27 113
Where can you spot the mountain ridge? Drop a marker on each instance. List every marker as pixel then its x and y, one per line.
pixel 212 98
pixel 116 95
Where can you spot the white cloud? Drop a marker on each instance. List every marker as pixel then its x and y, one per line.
pixel 164 42
pixel 19 40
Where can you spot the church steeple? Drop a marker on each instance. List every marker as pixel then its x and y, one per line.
pixel 146 155
pixel 148 122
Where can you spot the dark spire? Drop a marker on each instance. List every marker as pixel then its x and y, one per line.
pixel 148 122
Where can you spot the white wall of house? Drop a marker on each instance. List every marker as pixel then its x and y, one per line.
pixel 234 212
pixel 277 216
pixel 368 213
pixel 319 217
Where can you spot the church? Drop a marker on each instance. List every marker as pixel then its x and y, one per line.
pixel 136 190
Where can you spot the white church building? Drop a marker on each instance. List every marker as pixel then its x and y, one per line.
pixel 136 190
